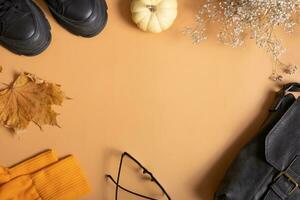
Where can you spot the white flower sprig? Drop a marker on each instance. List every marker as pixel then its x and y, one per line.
pixel 255 19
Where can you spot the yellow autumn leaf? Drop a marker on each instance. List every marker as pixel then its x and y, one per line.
pixel 29 99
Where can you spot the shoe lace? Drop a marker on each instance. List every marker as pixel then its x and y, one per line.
pixel 5 5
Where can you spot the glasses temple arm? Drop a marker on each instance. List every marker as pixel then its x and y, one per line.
pixel 145 171
pixel 129 191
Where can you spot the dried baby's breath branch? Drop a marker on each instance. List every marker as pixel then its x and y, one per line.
pixel 255 19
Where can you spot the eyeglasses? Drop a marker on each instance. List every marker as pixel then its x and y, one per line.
pixel 145 172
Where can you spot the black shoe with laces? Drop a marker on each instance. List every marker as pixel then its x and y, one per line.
pixel 86 18
pixel 24 29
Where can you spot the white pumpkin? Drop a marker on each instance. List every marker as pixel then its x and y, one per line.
pixel 154 15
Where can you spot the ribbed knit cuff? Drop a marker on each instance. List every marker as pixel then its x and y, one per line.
pixel 63 180
pixel 29 166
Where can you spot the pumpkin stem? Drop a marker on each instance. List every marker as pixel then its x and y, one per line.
pixel 152 8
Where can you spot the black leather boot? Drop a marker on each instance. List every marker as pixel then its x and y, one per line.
pixel 86 18
pixel 24 29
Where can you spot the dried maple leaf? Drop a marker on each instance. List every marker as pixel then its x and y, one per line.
pixel 29 98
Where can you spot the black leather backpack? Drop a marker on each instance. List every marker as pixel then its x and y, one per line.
pixel 268 168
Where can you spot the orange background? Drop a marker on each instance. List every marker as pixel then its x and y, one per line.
pixel 183 110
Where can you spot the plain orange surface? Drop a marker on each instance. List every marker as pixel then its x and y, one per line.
pixel 183 110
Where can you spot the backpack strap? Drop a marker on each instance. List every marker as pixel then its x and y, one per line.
pixel 290 87
pixel 286 184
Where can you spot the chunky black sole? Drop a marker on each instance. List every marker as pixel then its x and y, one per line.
pixel 78 29
pixel 36 47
